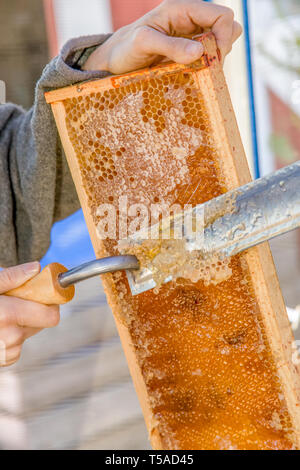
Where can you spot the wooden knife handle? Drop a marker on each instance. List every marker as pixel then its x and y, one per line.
pixel 44 288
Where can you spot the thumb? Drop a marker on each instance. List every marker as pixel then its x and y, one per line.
pixel 16 276
pixel 180 50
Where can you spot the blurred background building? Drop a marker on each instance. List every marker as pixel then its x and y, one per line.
pixel 71 389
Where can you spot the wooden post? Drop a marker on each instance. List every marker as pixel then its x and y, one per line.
pixel 211 361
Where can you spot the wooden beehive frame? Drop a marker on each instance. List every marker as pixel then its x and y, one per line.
pixel 233 163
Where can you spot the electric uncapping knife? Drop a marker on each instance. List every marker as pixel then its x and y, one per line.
pixel 233 222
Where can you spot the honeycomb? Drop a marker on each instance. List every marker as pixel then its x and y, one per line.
pixel 202 347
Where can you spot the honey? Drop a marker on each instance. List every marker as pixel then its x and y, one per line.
pixel 202 348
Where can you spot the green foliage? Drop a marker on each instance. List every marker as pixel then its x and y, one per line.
pixel 283 149
pixel 284 10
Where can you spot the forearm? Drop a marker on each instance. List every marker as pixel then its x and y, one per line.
pixel 36 185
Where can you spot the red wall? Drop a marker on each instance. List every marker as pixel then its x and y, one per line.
pixel 127 11
pixel 285 123
pixel 51 28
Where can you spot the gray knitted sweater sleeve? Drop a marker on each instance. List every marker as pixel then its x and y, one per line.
pixel 36 186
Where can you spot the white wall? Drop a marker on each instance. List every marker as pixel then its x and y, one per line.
pixel 236 75
pixel 261 13
pixel 81 17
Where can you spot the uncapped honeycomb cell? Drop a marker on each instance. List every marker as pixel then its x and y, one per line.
pixel 201 346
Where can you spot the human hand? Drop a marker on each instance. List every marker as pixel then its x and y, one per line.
pixel 153 37
pixel 20 319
